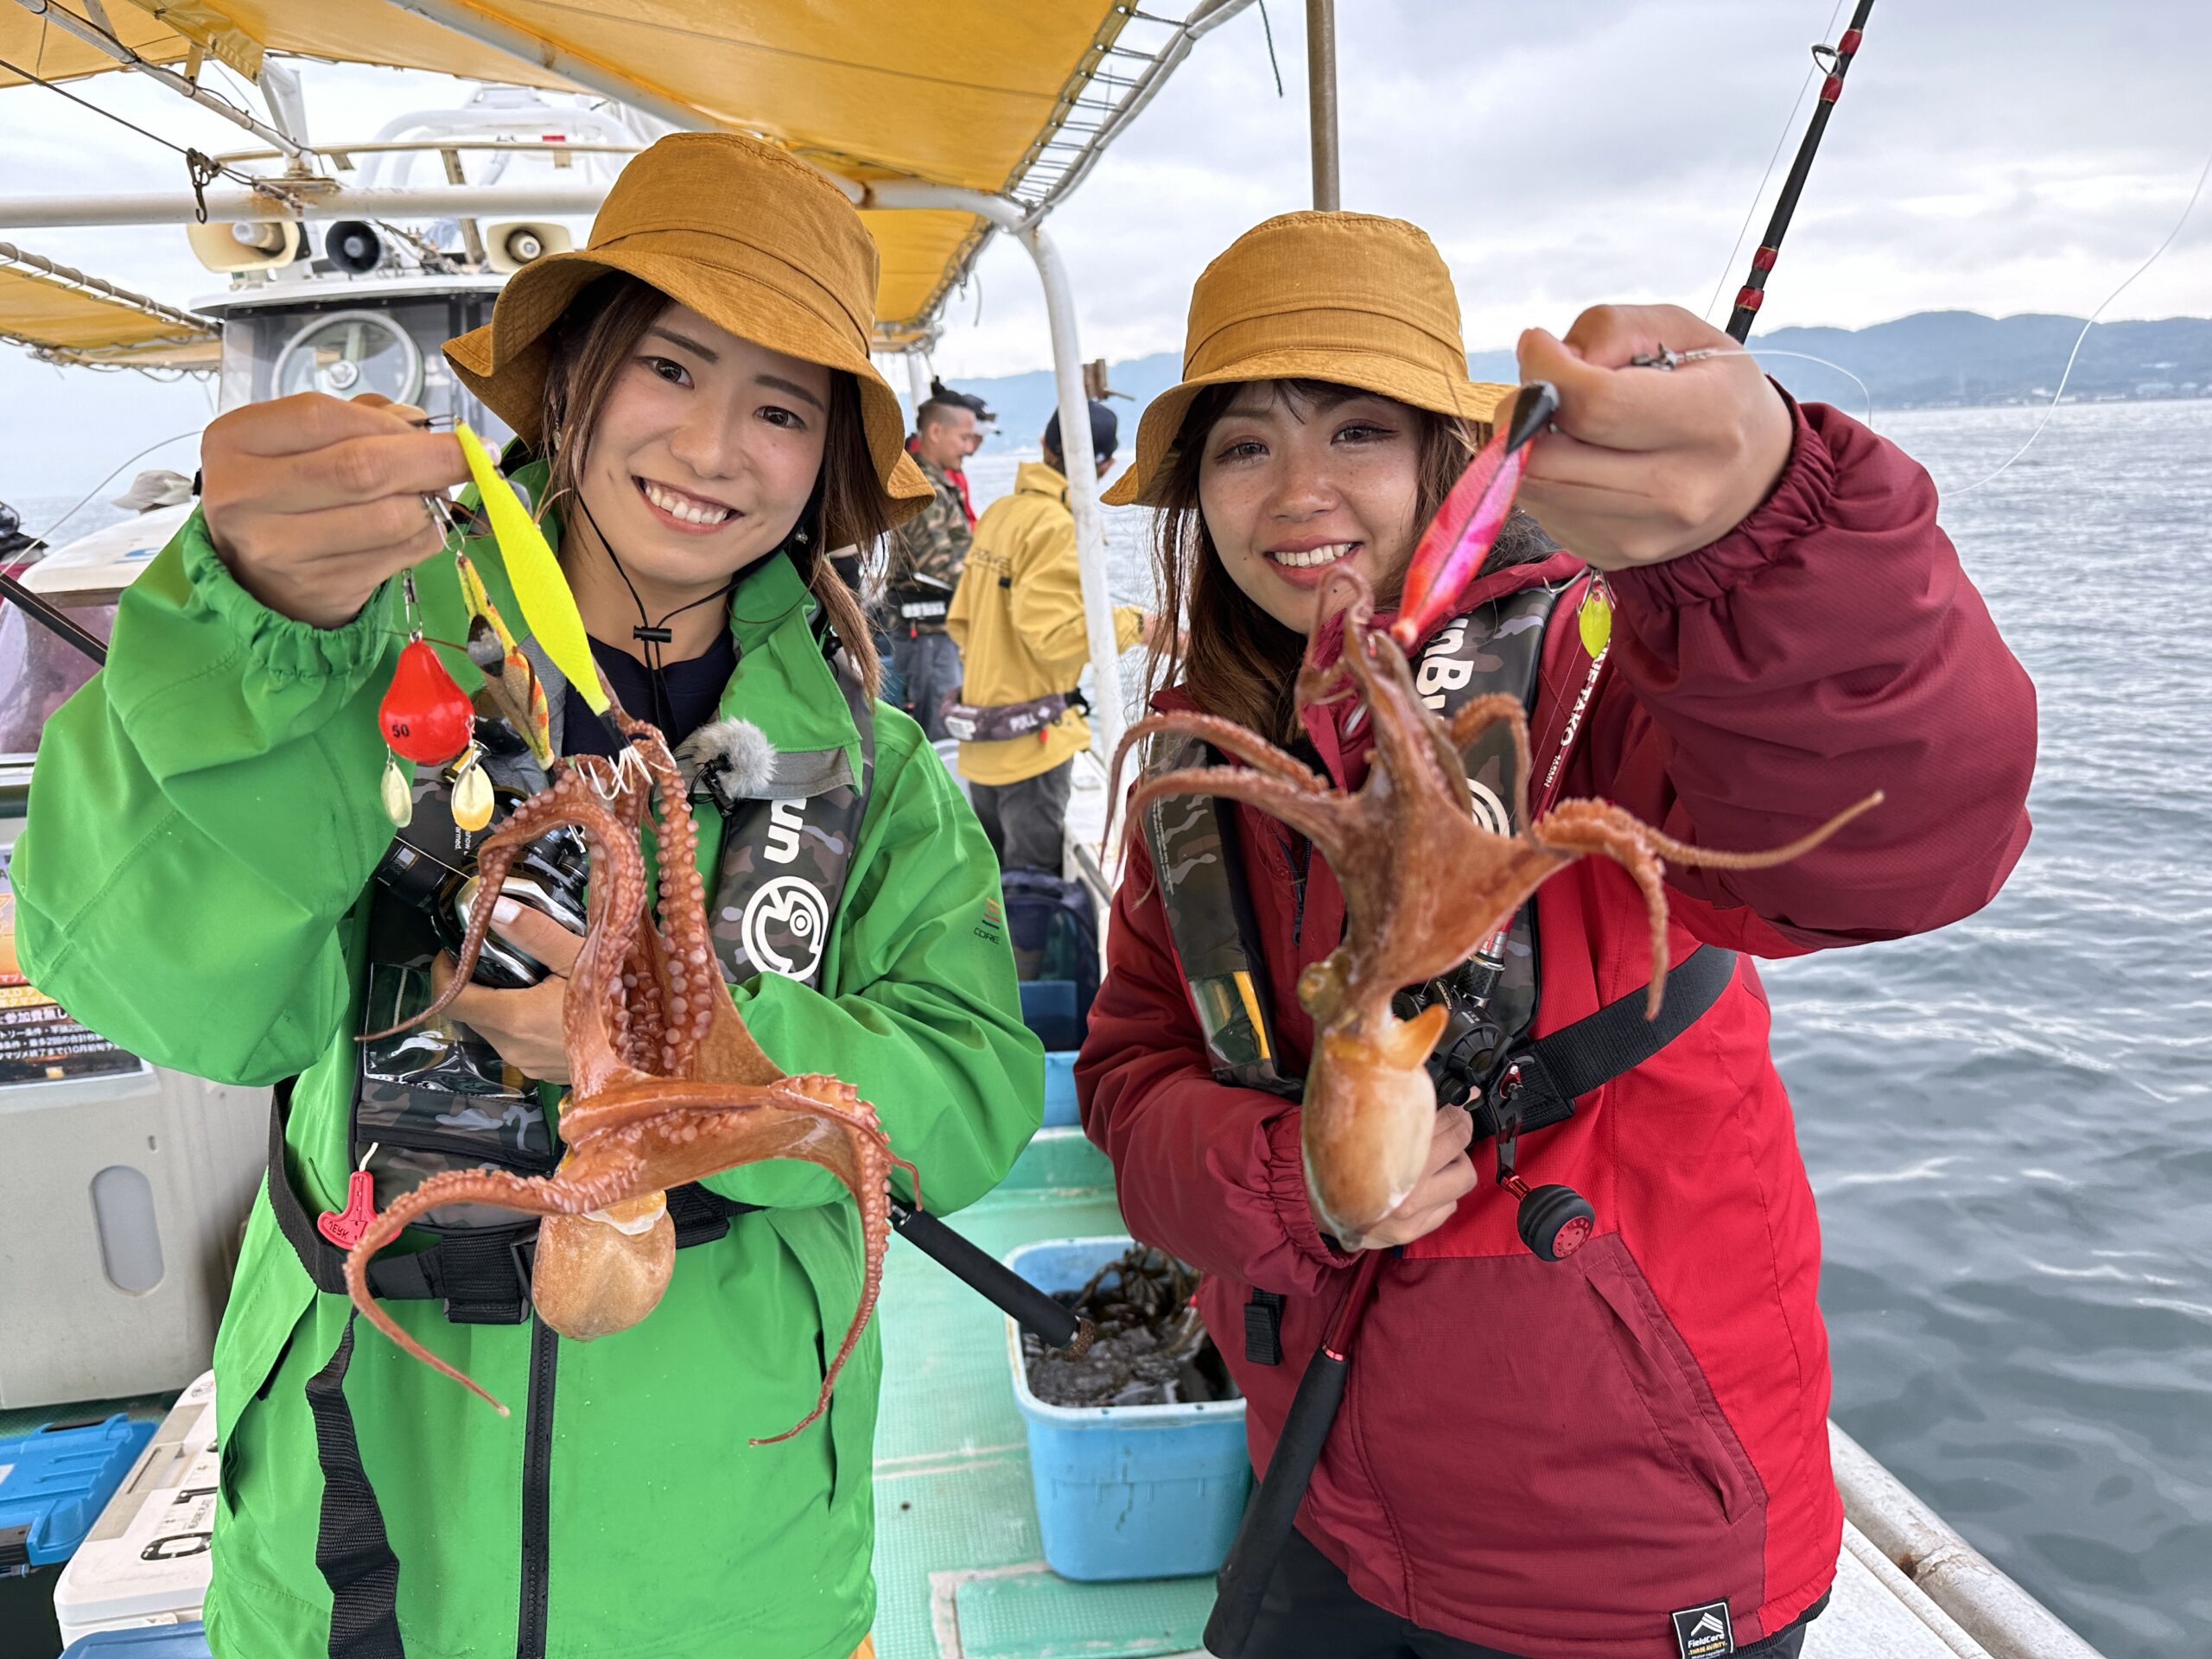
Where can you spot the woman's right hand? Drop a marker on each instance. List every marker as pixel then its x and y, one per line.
pixel 315 502
pixel 1447 1176
pixel 526 1026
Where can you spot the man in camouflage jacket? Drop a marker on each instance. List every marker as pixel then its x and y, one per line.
pixel 927 554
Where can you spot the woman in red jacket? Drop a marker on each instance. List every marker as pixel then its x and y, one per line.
pixel 1621 1454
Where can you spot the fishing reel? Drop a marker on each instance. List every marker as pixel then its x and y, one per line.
pixel 1470 1068
pixel 431 863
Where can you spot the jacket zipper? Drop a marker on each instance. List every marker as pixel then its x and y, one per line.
pixel 537 1478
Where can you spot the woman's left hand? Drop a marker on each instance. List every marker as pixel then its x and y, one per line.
pixel 524 1026
pixel 1644 465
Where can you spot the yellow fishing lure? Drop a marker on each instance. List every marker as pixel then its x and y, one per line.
pixel 547 605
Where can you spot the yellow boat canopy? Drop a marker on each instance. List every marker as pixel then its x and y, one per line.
pixel 68 317
pixel 1000 96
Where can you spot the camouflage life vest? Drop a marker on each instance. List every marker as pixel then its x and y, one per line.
pixel 1494 648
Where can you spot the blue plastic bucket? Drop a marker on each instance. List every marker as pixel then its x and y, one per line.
pixel 1126 1491
pixel 1059 1090
pixel 163 1641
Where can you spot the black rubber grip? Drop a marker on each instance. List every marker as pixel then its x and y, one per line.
pixel 1242 1581
pixel 1031 1308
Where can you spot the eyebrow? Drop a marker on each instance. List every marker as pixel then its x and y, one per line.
pixel 775 382
pixel 686 342
pixel 1246 407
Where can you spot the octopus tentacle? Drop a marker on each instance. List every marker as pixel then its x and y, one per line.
pixel 1329 821
pixel 1472 721
pixel 1601 827
pixel 490 1186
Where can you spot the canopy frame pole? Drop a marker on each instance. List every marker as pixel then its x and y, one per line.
pixel 1321 103
pixel 918 380
pixel 69 23
pixel 1106 719
pixel 415 202
pixel 69 276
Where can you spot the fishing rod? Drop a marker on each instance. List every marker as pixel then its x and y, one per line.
pixel 1836 60
pixel 53 616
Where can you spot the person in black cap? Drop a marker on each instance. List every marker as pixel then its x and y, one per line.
pixel 1018 620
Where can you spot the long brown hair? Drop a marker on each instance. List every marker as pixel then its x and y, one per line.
pixel 1239 662
pixel 590 344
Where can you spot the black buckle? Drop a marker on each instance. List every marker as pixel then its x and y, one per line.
pixel 1524 1090
pixel 483 1281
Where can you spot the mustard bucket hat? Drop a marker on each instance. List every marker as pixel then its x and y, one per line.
pixel 745 235
pixel 1350 298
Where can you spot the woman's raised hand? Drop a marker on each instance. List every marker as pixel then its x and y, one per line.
pixel 315 502
pixel 1644 465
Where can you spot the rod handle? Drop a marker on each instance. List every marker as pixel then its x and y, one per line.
pixel 1031 1308
pixel 1241 1584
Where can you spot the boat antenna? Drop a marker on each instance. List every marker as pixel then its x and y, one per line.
pixel 1836 60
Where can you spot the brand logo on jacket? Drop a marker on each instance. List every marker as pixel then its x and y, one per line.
pixel 1705 1633
pixel 786 924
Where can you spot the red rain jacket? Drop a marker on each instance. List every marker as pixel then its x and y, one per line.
pixel 1549 1457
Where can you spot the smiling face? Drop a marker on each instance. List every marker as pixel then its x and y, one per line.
pixel 702 456
pixel 1292 485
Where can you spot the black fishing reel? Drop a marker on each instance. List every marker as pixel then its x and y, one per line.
pixel 431 863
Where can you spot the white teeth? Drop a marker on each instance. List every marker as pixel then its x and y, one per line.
pixel 1314 556
pixel 683 507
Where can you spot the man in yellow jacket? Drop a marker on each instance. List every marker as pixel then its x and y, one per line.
pixel 1018 620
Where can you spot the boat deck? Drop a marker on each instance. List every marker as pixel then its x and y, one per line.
pixel 959 1569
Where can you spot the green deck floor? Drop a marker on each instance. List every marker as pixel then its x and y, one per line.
pixel 959 1569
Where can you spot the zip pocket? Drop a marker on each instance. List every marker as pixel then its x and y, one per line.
pixel 1665 1377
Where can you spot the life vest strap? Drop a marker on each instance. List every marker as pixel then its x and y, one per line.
pixel 481 1274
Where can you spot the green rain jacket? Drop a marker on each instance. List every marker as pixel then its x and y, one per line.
pixel 203 820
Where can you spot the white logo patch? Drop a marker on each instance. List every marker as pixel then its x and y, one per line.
pixel 785 926
pixel 1489 811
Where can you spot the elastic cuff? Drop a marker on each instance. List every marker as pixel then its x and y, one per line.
pixel 283 648
pixel 1286 1189
pixel 1797 507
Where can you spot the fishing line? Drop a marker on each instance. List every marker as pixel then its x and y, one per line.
pixel 160 443
pixel 1270 29
pixel 2187 209
pixel 204 171
pixel 1789 126
pixel 1663 359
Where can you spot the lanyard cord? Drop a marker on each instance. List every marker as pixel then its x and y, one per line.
pixel 651 634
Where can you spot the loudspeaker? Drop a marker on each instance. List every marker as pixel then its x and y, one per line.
pixel 245 245
pixel 353 247
pixel 512 244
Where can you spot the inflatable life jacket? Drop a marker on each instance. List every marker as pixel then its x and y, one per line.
pixel 1485 1059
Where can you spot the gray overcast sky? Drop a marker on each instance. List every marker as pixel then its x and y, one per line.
pixel 1999 158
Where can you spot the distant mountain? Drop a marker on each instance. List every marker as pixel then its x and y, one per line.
pixel 1932 359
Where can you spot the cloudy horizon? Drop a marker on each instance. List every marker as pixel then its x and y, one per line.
pixel 1559 156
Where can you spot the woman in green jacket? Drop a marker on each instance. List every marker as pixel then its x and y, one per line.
pixel 695 400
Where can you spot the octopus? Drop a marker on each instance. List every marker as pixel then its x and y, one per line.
pixel 1423 884
pixel 667 1085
